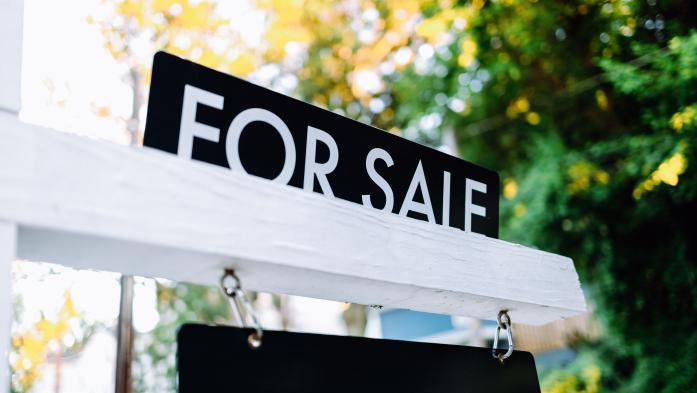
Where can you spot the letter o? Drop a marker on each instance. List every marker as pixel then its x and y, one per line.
pixel 232 142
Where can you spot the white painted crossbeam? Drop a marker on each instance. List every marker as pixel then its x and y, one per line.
pixel 91 204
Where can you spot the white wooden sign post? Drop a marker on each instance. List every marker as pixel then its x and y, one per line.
pixel 94 205
pixel 11 17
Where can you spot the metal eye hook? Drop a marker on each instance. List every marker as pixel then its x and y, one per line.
pixel 242 307
pixel 504 322
pixel 224 281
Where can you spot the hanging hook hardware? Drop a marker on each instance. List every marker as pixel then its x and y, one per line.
pixel 504 322
pixel 241 306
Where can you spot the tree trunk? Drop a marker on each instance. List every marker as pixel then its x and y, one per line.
pixel 59 366
pixel 133 123
pixel 125 333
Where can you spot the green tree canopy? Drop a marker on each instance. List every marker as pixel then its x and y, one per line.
pixel 588 109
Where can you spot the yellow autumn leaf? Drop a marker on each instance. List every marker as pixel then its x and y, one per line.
pixel 677 122
pixel 45 329
pixel 278 36
pixel 195 16
pixel 510 188
pixel 33 351
pixel 601 99
pixel 382 48
pixel 668 172
pixel 431 29
pixel 468 51
pixel 68 310
pixel 522 104
pixel 602 177
pixel 132 9
pixel 670 169
pixel 166 5
pixel 533 118
pixel 519 209
pixel 211 59
pixel 103 111
pixel 243 65
pixel 407 6
pixel 684 118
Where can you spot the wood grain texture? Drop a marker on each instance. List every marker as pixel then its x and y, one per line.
pixel 91 204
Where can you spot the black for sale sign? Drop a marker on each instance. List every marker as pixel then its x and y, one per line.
pixel 201 114
pixel 220 359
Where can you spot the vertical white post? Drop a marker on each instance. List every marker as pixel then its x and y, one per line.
pixel 8 251
pixel 11 20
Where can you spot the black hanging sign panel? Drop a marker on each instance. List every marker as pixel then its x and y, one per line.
pixel 205 115
pixel 219 359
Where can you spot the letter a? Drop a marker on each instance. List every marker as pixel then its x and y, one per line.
pixel 418 180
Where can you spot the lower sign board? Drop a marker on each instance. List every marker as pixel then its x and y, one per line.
pixel 220 359
pixel 201 114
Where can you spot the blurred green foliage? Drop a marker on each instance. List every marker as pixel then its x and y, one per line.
pixel 588 109
pixel 583 376
pixel 154 367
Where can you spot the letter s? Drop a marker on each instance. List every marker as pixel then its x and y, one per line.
pixel 373 156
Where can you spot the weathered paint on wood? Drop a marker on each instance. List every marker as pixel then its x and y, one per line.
pixel 91 204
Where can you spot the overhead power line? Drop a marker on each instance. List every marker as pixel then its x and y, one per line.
pixel 495 122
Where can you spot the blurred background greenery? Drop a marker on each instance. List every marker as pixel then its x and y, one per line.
pixel 588 109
